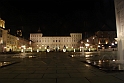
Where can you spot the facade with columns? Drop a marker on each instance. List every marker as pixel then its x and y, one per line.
pixel 119 12
pixel 56 43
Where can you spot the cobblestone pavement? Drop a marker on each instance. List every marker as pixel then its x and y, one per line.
pixel 54 68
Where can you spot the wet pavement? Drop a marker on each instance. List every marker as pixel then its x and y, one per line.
pixel 54 68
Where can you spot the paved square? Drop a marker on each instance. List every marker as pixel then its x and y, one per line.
pixel 55 68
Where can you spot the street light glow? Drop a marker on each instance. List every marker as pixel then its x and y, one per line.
pixel 87 44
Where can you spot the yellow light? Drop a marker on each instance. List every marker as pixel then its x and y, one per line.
pixel 87 40
pixel 98 45
pixel 112 43
pixel 87 44
pixel 4 47
pixel 37 50
pixel 74 50
pixel 116 42
pixel 64 50
pixel 106 42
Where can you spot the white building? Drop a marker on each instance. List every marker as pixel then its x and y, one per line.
pixel 56 43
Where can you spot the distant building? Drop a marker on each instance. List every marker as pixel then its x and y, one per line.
pixel 106 37
pixel 56 43
pixel 24 45
pixel 10 42
pixel 2 23
pixel 102 40
pixel 19 33
pixel 3 35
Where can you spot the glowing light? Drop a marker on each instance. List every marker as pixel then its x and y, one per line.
pixel 99 61
pixel 87 44
pixel 72 55
pixel 98 45
pixel 112 43
pixel 80 49
pixel 87 55
pixel 99 42
pixel 106 42
pixel 74 50
pixel 93 37
pixel 48 50
pixel 31 50
pixel 30 56
pixel 116 42
pixel 4 47
pixel 64 50
pixel 87 65
pixel 109 46
pixel 37 50
pixel 89 49
pixel 87 40
pixel 22 50
pixel 113 60
pixel 39 47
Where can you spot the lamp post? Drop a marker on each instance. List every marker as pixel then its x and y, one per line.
pixel 23 48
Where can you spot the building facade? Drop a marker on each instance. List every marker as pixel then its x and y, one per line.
pixel 102 40
pixel 56 43
pixel 11 43
pixel 106 37
pixel 3 38
pixel 2 23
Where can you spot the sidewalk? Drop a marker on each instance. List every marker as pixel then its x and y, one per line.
pixel 55 68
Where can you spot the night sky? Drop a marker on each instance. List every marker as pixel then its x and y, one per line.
pixel 58 17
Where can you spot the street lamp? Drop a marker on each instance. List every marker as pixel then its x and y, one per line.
pixel 87 44
pixel 23 48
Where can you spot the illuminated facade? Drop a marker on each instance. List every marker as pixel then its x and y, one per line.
pixel 119 12
pixel 102 40
pixel 2 39
pixel 2 23
pixel 105 37
pixel 9 43
pixel 24 45
pixel 56 43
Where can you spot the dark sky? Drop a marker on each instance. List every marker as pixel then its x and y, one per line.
pixel 58 17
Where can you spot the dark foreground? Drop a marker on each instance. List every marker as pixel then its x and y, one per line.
pixel 53 68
